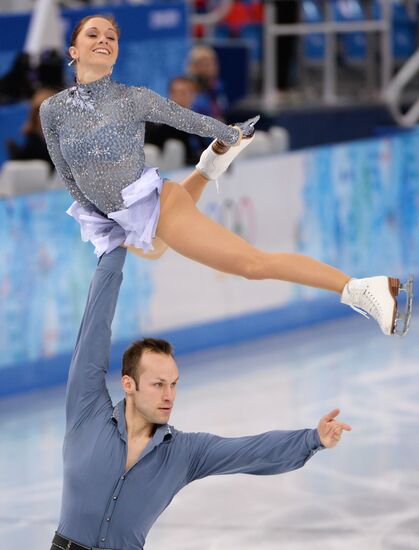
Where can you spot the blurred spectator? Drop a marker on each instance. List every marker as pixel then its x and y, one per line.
pixel 34 146
pixel 16 85
pixel 182 90
pixel 286 12
pixel 237 16
pixel 50 71
pixel 19 83
pixel 204 69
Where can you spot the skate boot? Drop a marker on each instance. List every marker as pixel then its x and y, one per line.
pixel 218 156
pixel 376 297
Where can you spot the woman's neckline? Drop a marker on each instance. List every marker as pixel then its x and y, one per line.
pixel 94 83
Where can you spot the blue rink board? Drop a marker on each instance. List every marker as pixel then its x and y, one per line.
pixel 52 371
pixel 359 212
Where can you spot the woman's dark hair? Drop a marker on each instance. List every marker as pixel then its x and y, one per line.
pixel 109 17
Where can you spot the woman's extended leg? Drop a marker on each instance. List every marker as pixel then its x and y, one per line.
pixel 185 229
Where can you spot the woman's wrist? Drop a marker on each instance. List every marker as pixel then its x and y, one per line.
pixel 238 140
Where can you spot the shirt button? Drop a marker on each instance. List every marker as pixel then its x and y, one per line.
pixel 108 519
pixel 123 477
pixel 103 540
pixel 115 498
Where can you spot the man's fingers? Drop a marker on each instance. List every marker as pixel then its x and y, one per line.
pixel 333 414
pixel 330 430
pixel 346 427
pixel 341 425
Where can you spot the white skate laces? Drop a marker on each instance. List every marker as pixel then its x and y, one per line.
pixel 376 297
pixel 212 163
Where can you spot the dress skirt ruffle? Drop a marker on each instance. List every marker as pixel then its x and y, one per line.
pixel 135 225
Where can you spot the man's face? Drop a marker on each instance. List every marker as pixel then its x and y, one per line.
pixel 183 93
pixel 157 379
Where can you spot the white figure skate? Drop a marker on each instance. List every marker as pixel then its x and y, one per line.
pixel 376 297
pixel 218 156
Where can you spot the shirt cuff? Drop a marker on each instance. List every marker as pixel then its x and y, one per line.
pixel 313 441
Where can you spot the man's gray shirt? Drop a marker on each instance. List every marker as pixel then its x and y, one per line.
pixel 105 506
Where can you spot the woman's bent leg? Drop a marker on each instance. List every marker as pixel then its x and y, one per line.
pixel 194 184
pixel 185 229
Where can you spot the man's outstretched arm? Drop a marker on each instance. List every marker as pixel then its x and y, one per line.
pixel 86 389
pixel 272 452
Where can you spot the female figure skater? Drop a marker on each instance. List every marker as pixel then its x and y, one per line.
pixel 95 136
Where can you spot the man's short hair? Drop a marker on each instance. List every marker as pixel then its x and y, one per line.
pixel 132 355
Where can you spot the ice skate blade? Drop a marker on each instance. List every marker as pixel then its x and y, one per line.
pixel 249 127
pixel 403 319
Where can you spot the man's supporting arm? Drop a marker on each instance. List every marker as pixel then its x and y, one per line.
pixel 86 389
pixel 268 453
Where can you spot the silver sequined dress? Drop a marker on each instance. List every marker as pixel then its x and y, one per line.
pixel 95 136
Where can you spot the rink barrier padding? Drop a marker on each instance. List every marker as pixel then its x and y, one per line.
pixel 53 371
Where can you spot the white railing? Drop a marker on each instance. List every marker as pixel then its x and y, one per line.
pixel 394 92
pixel 330 29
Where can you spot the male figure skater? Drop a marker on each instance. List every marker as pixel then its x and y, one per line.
pixel 124 464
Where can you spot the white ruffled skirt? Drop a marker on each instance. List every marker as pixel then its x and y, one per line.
pixel 135 225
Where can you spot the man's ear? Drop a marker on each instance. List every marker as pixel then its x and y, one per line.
pixel 128 384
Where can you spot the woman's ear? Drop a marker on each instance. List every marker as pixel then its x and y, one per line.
pixel 73 52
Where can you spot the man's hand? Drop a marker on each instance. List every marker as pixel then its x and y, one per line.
pixel 330 430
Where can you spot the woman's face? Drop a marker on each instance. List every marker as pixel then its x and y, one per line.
pixel 96 44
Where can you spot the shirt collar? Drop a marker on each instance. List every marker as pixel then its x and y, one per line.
pixel 162 433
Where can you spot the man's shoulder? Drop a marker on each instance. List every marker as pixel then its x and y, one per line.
pixel 182 437
pixel 174 435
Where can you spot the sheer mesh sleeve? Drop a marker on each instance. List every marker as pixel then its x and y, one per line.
pixel 155 108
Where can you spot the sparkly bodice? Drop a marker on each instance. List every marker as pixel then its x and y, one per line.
pixel 95 136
